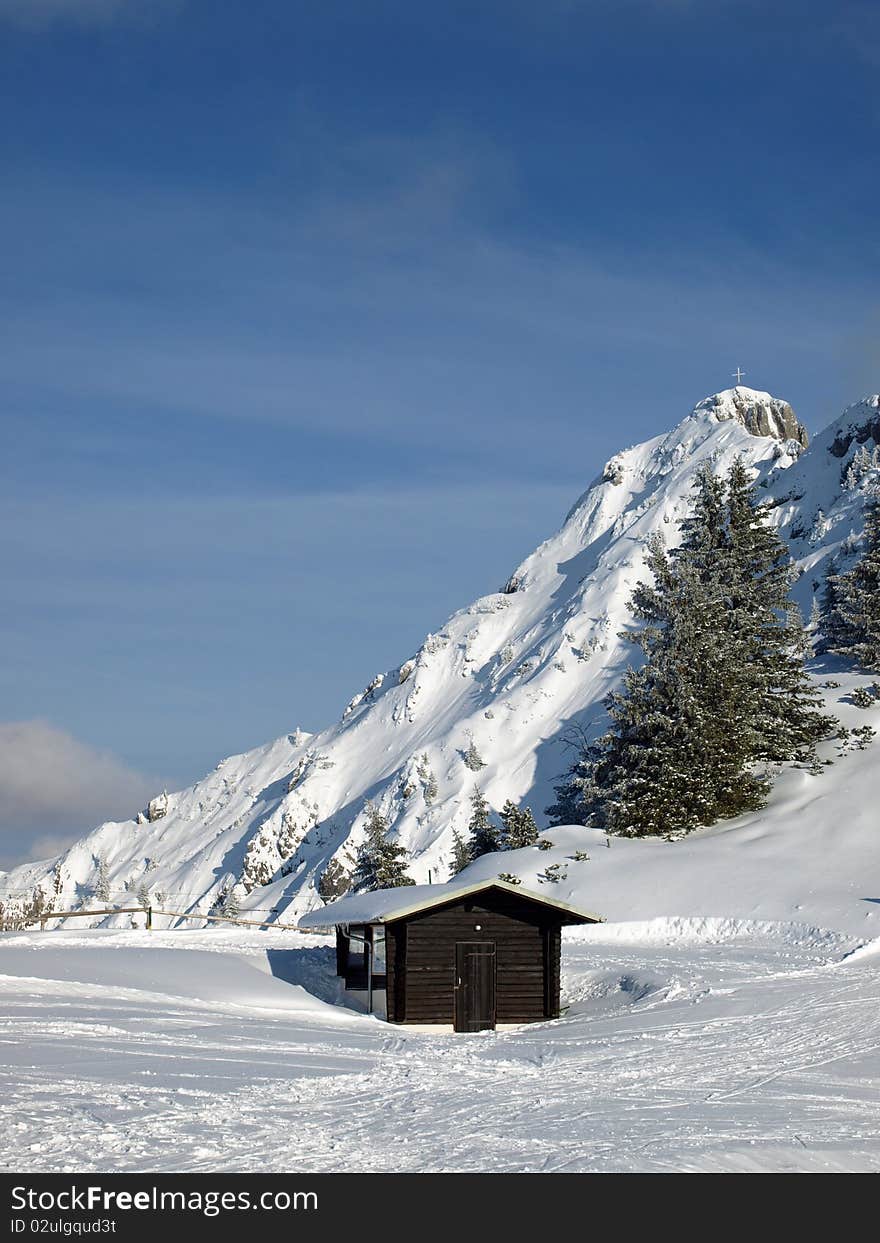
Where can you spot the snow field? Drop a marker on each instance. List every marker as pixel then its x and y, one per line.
pixel 687 1045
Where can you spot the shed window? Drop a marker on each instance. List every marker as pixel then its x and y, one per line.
pixel 378 951
pixel 356 950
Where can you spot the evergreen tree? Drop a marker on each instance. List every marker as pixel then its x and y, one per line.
pixel 380 863
pixel 461 855
pixel 484 837
pixel 852 623
pixel 102 884
pixel 472 758
pixel 519 828
pixel 571 806
pixel 393 864
pixel 228 902
pixel 832 631
pixel 784 716
pixel 722 685
pixel 366 864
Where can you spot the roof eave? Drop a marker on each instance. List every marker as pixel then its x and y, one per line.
pixel 575 915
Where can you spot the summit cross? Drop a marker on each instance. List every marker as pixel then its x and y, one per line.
pixel 738 375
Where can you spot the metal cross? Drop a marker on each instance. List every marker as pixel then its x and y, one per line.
pixel 738 375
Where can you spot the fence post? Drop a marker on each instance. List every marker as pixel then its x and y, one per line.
pixel 149 919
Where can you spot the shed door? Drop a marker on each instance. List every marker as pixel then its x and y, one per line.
pixel 474 986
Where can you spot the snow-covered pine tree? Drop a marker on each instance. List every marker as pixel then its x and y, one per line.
pixel 228 905
pixel 380 863
pixel 572 804
pixel 366 864
pixel 765 627
pixel 676 755
pixel 723 683
pixel 519 827
pixel 461 855
pixel 392 872
pixel 102 884
pixel 857 602
pixel 484 837
pixel 472 758
pixel 832 631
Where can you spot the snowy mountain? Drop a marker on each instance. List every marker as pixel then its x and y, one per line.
pixel 499 684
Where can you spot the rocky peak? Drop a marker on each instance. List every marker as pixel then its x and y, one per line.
pixel 860 423
pixel 759 413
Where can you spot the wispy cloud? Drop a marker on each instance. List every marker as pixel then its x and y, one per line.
pixel 52 787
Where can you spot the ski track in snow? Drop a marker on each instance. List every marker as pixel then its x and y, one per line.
pixel 750 1053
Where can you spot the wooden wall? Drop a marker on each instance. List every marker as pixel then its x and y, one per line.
pixel 421 959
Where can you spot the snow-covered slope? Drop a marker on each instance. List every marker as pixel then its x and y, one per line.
pixel 509 674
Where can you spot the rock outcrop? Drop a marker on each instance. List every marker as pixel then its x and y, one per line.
pixel 759 413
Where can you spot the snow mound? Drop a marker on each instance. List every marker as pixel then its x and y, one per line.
pixel 681 930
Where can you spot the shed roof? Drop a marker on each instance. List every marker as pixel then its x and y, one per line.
pixel 383 905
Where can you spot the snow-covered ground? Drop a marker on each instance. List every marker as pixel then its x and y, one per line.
pixel 687 1045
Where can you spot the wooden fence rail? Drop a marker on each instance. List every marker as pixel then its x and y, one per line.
pixel 150 911
pixel 110 910
pixel 229 919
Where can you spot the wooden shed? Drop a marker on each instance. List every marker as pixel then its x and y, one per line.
pixel 472 956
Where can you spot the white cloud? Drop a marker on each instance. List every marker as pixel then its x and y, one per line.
pixel 53 787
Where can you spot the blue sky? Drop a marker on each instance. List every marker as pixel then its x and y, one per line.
pixel 318 317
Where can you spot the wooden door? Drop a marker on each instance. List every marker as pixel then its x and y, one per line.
pixel 474 986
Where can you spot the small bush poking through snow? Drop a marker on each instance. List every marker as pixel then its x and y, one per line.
pixel 863 736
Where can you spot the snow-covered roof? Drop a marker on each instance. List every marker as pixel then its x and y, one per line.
pixel 382 905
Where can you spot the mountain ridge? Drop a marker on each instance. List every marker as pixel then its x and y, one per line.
pixel 508 674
